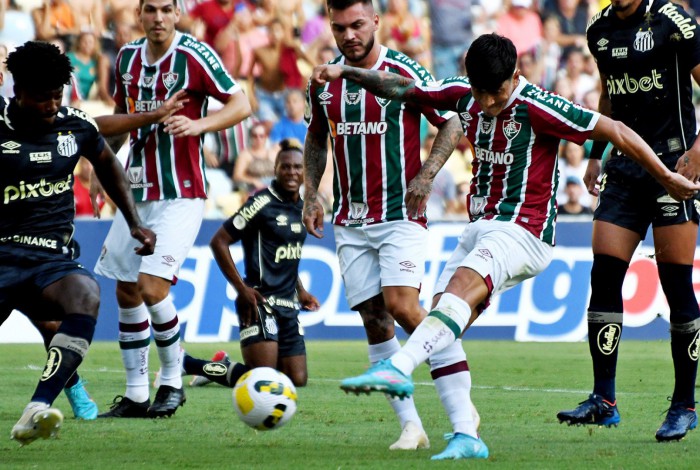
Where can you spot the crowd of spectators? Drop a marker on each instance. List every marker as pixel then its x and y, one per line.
pixel 270 47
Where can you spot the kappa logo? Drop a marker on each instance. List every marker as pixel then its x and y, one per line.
pixel 353 98
pixel 10 147
pixel 602 44
pixel 135 174
pixel 170 79
pixel 644 41
pixel 67 145
pixel 511 128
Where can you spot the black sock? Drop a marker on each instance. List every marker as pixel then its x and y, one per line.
pixel 226 374
pixel 65 354
pixel 605 321
pixel 73 380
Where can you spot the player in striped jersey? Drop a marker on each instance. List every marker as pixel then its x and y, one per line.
pixel 166 172
pixel 515 128
pixel 380 238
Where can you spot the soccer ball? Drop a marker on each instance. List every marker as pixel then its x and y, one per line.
pixel 265 398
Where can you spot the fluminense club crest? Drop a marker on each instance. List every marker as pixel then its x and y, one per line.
pixel 67 145
pixel 169 79
pixel 511 128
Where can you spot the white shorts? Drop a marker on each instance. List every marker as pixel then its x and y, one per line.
pixel 503 253
pixel 175 222
pixel 379 255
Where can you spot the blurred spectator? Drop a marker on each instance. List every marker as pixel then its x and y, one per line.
pixel 81 190
pixel 450 36
pixel 580 81
pixel 521 25
pixel 591 99
pixel 529 67
pixel 214 15
pixel 279 72
pixel 573 164
pixel 485 14
pixel 16 25
pixel 89 16
pixel 224 147
pixel 563 87
pixel 550 51
pixel 238 41
pixel 7 83
pixel 91 68
pixel 573 18
pixel 400 30
pixel 326 54
pixel 573 189
pixel 123 34
pixel 317 27
pixel 122 12
pixel 55 19
pixel 292 124
pixel 255 166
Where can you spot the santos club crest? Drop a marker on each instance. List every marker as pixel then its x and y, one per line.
pixel 511 128
pixel 67 146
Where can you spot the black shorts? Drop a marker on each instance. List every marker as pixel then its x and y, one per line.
pixel 271 326
pixel 22 282
pixel 634 201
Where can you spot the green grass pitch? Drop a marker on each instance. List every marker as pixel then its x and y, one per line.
pixel 517 388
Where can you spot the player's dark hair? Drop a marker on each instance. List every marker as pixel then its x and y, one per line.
pixel 343 4
pixel 39 66
pixel 490 61
pixel 290 144
pixel 141 3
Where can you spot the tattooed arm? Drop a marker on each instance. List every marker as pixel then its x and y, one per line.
pixel 315 156
pixel 383 84
pixel 418 192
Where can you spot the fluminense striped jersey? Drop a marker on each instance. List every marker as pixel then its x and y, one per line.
pixel 376 143
pixel 160 166
pixel 515 173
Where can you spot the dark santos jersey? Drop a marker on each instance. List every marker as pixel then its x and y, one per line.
pixel 36 174
pixel 272 233
pixel 647 59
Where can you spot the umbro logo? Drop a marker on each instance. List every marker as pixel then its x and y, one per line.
pixel 466 117
pixel 602 44
pixel 407 264
pixel 127 77
pixel 669 208
pixel 10 146
pixel 325 97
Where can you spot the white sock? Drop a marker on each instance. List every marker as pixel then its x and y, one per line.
pixel 405 409
pixel 453 383
pixel 166 332
pixel 134 342
pixel 437 331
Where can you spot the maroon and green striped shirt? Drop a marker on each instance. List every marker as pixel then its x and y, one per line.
pixel 160 166
pixel 376 143
pixel 515 173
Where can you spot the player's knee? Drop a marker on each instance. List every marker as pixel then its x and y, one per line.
pixel 607 275
pixel 299 378
pixel 407 314
pixel 677 284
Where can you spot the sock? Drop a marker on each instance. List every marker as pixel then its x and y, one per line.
pixel 438 330
pixel 73 380
pixel 66 351
pixel 450 372
pixel 166 332
pixel 219 372
pixel 677 283
pixel 134 343
pixel 605 321
pixel 685 345
pixel 405 409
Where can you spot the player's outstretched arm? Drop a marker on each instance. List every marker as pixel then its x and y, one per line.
pixel 418 192
pixel 121 123
pixel 111 174
pixel 236 109
pixel 315 156
pixel 248 298
pixel 631 144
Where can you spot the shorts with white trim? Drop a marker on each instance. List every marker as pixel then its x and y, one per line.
pixel 380 255
pixel 270 325
pixel 175 222
pixel 503 253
